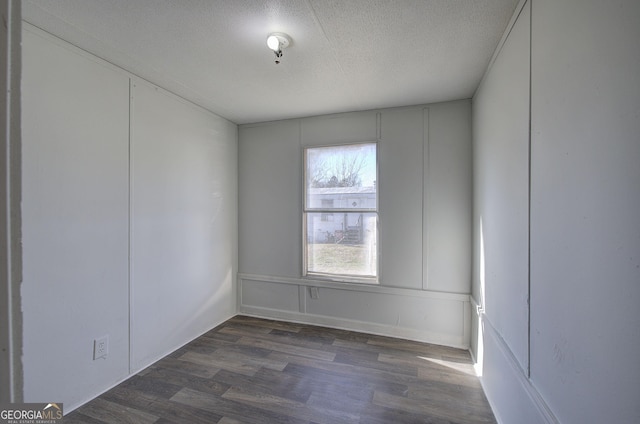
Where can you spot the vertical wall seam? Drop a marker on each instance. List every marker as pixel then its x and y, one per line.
pixel 425 198
pixel 529 206
pixel 379 227
pixel 8 206
pixel 16 197
pixel 302 263
pixel 129 226
pixel 13 187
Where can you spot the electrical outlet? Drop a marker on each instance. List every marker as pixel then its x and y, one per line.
pixel 313 291
pixel 100 347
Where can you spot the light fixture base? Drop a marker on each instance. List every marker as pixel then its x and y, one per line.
pixel 278 41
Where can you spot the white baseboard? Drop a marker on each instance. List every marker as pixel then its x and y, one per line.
pixel 510 392
pixel 420 315
pixel 352 325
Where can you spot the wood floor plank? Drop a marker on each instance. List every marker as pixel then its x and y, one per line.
pixel 333 401
pixel 317 335
pixel 205 345
pixel 475 404
pixel 78 418
pixel 269 381
pixel 423 349
pixel 249 370
pixel 280 336
pixel 329 366
pixel 434 409
pixel 446 376
pixel 206 385
pixel 169 411
pixel 227 420
pixel 366 374
pixel 347 387
pixel 461 367
pixel 288 349
pixel 190 368
pixel 237 329
pixel 232 409
pixel 380 415
pixel 158 389
pixel 215 334
pixel 370 361
pixel 258 361
pixel 303 411
pixel 172 412
pixel 267 323
pixel 436 369
pixel 235 364
pixel 354 345
pixel 114 413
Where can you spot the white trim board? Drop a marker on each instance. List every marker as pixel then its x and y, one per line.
pixel 360 287
pixel 511 394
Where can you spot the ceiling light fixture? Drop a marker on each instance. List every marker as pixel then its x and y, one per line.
pixel 277 42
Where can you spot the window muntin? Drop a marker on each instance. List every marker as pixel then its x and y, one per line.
pixel 341 212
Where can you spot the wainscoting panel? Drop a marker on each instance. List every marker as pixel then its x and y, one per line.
pixel 432 317
pixel 268 295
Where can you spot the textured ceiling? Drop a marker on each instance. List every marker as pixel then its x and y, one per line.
pixel 346 54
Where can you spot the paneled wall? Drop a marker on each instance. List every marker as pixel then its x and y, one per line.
pixel 585 208
pixel 183 221
pixel 424 186
pixel 500 322
pixel 557 235
pixel 75 212
pixel 129 217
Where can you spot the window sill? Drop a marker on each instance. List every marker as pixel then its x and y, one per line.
pixel 311 276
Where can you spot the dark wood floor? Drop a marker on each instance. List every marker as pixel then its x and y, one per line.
pixel 250 370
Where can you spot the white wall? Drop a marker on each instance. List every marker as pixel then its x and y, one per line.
pixel 183 222
pixel 424 209
pixel 501 218
pixel 575 359
pixel 448 199
pixel 501 192
pixel 585 208
pixel 75 221
pixel 129 217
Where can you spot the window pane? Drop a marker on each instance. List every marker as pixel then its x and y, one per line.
pixel 341 177
pixel 345 244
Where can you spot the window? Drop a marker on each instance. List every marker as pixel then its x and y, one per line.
pixel 341 212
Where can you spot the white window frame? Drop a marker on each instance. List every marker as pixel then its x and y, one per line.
pixel 351 278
